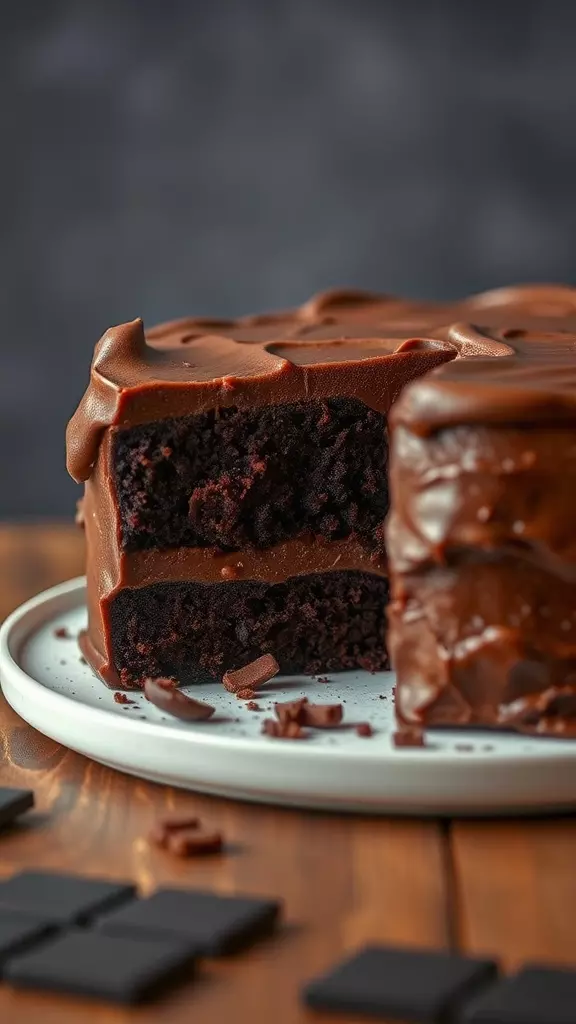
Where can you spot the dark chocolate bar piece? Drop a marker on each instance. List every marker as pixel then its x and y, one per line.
pixel 115 969
pixel 217 925
pixel 411 985
pixel 61 899
pixel 19 932
pixel 536 995
pixel 13 803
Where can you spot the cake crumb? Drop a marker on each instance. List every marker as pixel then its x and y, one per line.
pixel 253 706
pixel 62 633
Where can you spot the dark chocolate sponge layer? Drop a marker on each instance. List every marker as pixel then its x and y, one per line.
pixel 193 632
pixel 229 478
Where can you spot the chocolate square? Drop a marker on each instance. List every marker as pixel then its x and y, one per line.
pixel 59 898
pixel 118 970
pixel 412 985
pixel 536 995
pixel 217 925
pixel 13 803
pixel 18 932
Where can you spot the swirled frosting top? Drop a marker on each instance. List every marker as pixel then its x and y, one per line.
pixel 341 343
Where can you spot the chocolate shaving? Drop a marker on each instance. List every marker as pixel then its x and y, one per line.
pixel 194 842
pixel 317 716
pixel 291 711
pixel 364 729
pixel 322 716
pixel 251 676
pixel 183 835
pixel 164 695
pixel 170 823
pixel 283 730
pixel 409 736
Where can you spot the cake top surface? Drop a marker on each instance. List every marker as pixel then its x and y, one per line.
pixel 342 342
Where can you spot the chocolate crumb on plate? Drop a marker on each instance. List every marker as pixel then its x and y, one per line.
pixel 251 676
pixel 316 716
pixel 253 706
pixel 409 736
pixel 121 698
pixel 290 711
pixel 62 633
pixel 364 729
pixel 164 695
pixel 288 730
pixel 322 716
pixel 247 694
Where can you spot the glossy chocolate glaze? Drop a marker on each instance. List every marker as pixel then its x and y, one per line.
pixel 520 357
pixel 481 538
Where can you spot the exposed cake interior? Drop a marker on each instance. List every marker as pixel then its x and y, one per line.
pixel 193 631
pixel 233 477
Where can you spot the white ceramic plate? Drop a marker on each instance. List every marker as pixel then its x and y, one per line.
pixel 459 772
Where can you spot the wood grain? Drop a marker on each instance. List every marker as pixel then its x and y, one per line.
pixel 345 880
pixel 516 888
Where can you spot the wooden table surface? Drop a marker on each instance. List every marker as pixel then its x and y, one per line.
pixel 500 887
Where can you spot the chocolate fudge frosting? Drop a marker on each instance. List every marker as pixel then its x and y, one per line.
pixel 481 538
pixel 189 366
pixel 340 343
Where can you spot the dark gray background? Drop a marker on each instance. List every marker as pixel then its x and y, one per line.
pixel 161 158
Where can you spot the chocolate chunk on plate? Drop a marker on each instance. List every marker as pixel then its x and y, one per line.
pixel 164 694
pixel 13 803
pixel 405 984
pixel 19 932
pixel 536 995
pixel 251 676
pixel 118 970
pixel 61 899
pixel 216 925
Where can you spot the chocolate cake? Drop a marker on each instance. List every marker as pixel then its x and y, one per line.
pixel 237 487
pixel 482 535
